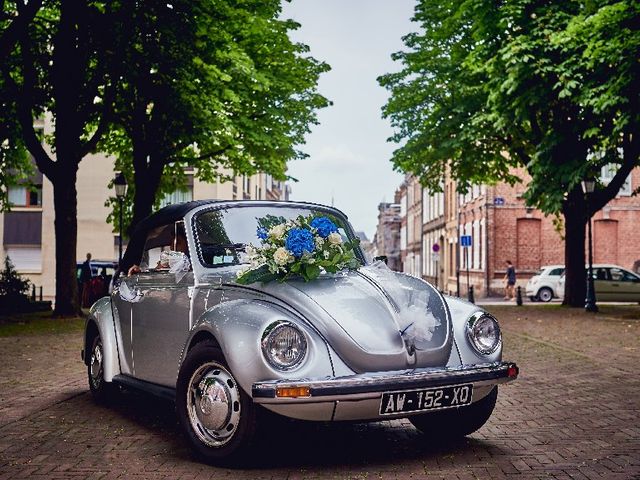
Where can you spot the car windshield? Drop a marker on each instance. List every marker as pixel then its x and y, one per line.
pixel 223 234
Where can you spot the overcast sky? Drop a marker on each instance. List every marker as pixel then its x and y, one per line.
pixel 349 156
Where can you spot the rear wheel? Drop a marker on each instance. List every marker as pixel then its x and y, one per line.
pixel 215 414
pixel 101 390
pixel 545 294
pixel 455 423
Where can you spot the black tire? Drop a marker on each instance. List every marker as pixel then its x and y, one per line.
pixel 545 294
pixel 533 299
pixel 221 430
pixel 102 391
pixel 456 423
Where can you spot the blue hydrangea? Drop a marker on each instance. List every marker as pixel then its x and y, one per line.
pixel 298 241
pixel 262 233
pixel 324 226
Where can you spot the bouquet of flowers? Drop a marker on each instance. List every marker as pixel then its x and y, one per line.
pixel 303 247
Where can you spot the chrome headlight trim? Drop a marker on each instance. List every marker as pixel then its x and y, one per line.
pixel 277 329
pixel 472 333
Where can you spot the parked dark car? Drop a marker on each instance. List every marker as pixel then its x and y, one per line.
pixel 101 274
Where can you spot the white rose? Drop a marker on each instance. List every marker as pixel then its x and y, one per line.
pixel 278 231
pixel 281 256
pixel 335 238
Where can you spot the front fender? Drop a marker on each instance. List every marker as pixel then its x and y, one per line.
pixel 238 325
pixel 101 318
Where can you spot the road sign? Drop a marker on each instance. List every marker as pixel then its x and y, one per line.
pixel 435 247
pixel 465 240
pixel 435 256
pixel 498 201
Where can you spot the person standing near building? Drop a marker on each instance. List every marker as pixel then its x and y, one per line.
pixel 86 274
pixel 510 281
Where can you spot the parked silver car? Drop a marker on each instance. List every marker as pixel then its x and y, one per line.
pixel 337 348
pixel 611 283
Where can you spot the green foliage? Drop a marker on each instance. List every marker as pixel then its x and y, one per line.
pixel 548 86
pixel 214 85
pixel 13 289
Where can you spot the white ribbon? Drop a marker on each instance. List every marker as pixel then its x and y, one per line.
pixel 178 262
pixel 415 321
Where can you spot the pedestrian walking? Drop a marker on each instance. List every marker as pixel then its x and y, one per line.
pixel 86 273
pixel 509 281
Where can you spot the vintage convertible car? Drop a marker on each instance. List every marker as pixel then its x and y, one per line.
pixel 333 349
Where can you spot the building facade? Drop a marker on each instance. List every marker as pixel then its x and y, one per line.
pixel 27 231
pixel 500 227
pixel 387 237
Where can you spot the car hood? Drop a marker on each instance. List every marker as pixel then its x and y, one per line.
pixel 374 319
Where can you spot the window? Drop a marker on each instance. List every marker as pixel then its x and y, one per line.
pixel 165 238
pixel 619 275
pixel 26 259
pixel 556 272
pixel 607 174
pixel 178 196
pixel 23 196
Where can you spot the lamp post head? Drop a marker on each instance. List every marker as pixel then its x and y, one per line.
pixel 120 184
pixel 588 186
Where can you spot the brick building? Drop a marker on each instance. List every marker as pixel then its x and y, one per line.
pixel 503 228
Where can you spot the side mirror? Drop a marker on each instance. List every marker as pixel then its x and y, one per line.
pixel 384 258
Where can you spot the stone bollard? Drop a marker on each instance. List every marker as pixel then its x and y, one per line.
pixel 519 296
pixel 470 295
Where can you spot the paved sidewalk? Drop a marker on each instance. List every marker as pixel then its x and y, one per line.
pixel 574 413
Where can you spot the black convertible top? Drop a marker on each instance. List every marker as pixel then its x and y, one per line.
pixel 169 214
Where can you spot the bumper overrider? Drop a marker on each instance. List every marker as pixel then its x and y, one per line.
pixel 373 385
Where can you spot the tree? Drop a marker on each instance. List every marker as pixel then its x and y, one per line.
pixel 213 85
pixel 173 84
pixel 13 289
pixel 549 86
pixel 55 67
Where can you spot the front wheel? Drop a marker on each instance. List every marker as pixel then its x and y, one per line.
pixel 458 422
pixel 215 414
pixel 545 294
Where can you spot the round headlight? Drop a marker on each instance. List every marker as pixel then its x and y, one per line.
pixel 283 345
pixel 484 333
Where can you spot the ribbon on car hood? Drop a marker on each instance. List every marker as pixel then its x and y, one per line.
pixel 416 323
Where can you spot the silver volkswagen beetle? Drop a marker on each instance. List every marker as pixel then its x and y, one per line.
pixel 366 344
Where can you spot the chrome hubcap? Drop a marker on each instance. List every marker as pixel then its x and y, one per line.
pixel 213 404
pixel 96 362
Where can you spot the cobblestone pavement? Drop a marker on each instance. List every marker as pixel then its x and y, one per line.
pixel 573 413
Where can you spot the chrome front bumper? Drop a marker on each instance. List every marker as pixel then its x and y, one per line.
pixel 372 385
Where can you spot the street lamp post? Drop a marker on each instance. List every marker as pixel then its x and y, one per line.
pixel 588 187
pixel 120 184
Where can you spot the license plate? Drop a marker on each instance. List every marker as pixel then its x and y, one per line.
pixel 429 399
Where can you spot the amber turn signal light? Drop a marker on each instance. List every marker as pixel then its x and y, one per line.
pixel 293 392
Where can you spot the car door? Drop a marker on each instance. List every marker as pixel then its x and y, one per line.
pixel 602 284
pixel 625 286
pixel 160 325
pixel 160 319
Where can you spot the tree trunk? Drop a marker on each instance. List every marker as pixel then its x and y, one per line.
pixel 574 209
pixel 66 231
pixel 147 180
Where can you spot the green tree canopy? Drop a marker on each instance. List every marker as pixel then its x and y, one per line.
pixel 549 86
pixel 214 85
